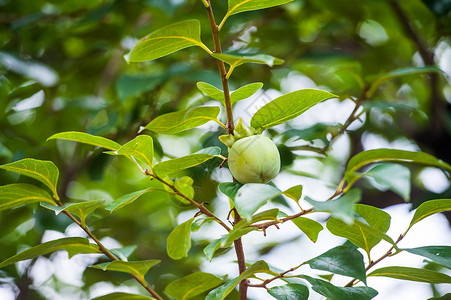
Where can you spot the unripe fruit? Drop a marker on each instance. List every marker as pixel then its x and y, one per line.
pixel 254 159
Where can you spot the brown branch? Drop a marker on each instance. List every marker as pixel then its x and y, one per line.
pixel 200 206
pixel 222 72
pixel 229 127
pixel 437 103
pixel 108 253
pixel 373 263
pixel 264 226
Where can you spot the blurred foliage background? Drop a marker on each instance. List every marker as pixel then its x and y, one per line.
pixel 62 68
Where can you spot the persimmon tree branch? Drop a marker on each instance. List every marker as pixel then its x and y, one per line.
pixel 200 206
pixel 375 262
pixel 107 252
pixel 229 127
pixel 427 55
pixel 221 67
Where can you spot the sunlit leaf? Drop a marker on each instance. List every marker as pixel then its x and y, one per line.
pixel 128 199
pixel 287 107
pixel 333 292
pixel 192 285
pixel 178 121
pixel 341 208
pixel 391 155
pixel 341 260
pixel 310 227
pixel 412 274
pixel 41 170
pixel 211 91
pixel 237 6
pixel 176 165
pixel 17 194
pixel 230 188
pixel 252 196
pixel 294 192
pixel 197 224
pixel 394 177
pixel 291 291
pixel 245 91
pixel 141 148
pixel 438 254
pixel 235 96
pixel 167 40
pixel 221 292
pixel 179 240
pixel 80 209
pixel 138 268
pixel 363 235
pixel 429 208
pixel 73 245
pixel 237 60
pixel 86 138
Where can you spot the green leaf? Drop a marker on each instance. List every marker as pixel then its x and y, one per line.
pixel 237 60
pixel 179 240
pixel 86 138
pixel 122 296
pixel 429 208
pixel 343 260
pixel 287 107
pixel 176 165
pixel 291 291
pixel 211 91
pixel 185 186
pixel 399 73
pixel 128 199
pixel 178 121
pixel 141 148
pixel 444 297
pixel 211 248
pixel 221 292
pixel 341 208
pixel 394 177
pixel 333 292
pixel 167 40
pixel 294 192
pixel 199 222
pixel 124 252
pixel 41 170
pixel 391 155
pixel 245 91
pixel 362 235
pixel 138 268
pixel 237 6
pixel 252 196
pixel 73 245
pixel 412 274
pixel 235 96
pixel 438 254
pixel 310 227
pixel 17 194
pixel 192 285
pixel 230 188
pixel 240 229
pixel 80 209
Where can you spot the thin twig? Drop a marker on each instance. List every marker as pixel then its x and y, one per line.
pixel 107 252
pixel 200 206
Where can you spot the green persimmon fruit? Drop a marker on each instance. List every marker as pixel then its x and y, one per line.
pixel 254 159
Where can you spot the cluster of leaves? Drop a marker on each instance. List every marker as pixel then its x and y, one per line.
pixel 362 225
